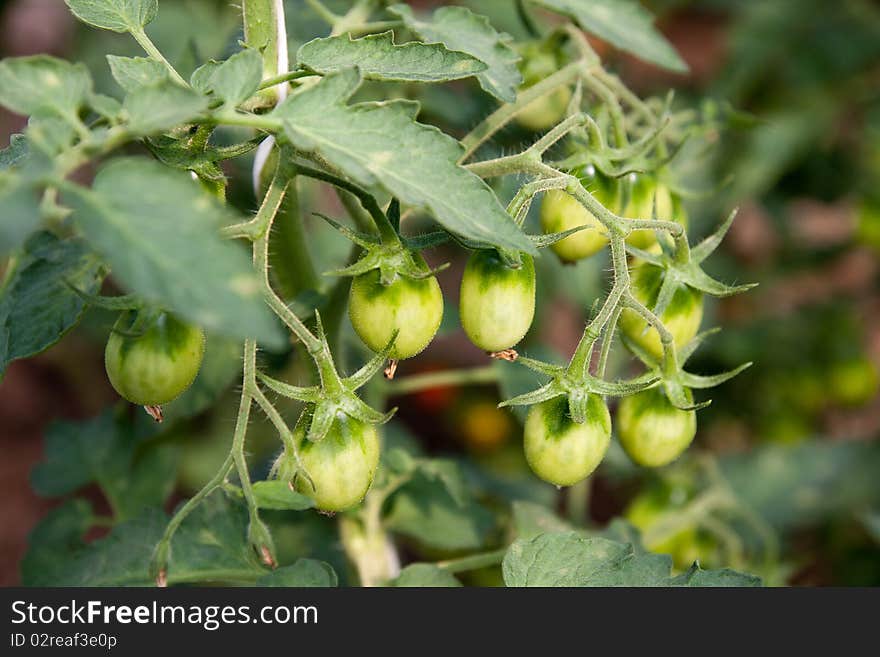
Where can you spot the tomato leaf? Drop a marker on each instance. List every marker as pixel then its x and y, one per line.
pixel 166 247
pixel 277 495
pixel 115 15
pixel 625 24
pixel 161 106
pixel 38 306
pixel 438 510
pixel 381 144
pixel 233 81
pixel 378 58
pixel 16 152
pixel 41 82
pixel 114 452
pixel 21 214
pixel 132 73
pixel 571 559
pixel 458 28
pixel 425 574
pixel 210 546
pixel 58 535
pixel 306 573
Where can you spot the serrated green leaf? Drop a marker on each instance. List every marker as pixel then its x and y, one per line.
pixel 210 546
pixel 530 520
pixel 159 231
pixel 49 134
pixel 306 573
pixel 424 575
pixel 233 81
pixel 697 577
pixel 41 82
pixel 21 216
pixel 115 15
pixel 132 73
pixel 16 152
pixel 378 58
pixel 569 559
pixel 114 453
pixel 625 24
pixel 460 29
pixel 161 106
pixel 381 144
pixel 276 495
pixel 572 560
pixel 58 535
pixel 427 509
pixel 106 106
pixel 38 307
pixel 200 80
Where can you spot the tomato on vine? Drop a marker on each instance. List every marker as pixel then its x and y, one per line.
pixel 682 316
pixel 339 468
pixel 652 431
pixel 497 302
pixel 152 360
pixel 414 307
pixel 540 61
pixel 645 195
pixel 558 449
pixel 560 211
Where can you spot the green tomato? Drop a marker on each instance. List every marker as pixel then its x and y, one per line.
pixel 539 61
pixel 497 303
pixel 854 381
pixel 560 211
pixel 682 316
pixel 154 364
pixel 340 467
pixel 652 431
pixel 413 307
pixel 558 449
pixel 653 507
pixel 545 112
pixel 643 190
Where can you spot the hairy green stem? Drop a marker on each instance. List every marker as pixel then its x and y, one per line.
pixel 150 48
pixel 473 561
pixel 506 113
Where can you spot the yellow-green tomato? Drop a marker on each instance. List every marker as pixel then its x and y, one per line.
pixel 561 451
pixel 545 112
pixel 151 365
pixel 560 211
pixel 340 466
pixel 682 316
pixel 412 307
pixel 652 431
pixel 644 191
pixel 497 303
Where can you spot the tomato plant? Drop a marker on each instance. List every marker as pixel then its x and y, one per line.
pixel 262 329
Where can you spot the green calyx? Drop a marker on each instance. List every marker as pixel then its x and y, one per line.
pixel 577 385
pixel 391 253
pixel 334 395
pixel 676 382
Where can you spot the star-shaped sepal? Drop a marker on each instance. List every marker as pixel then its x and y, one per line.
pixel 335 395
